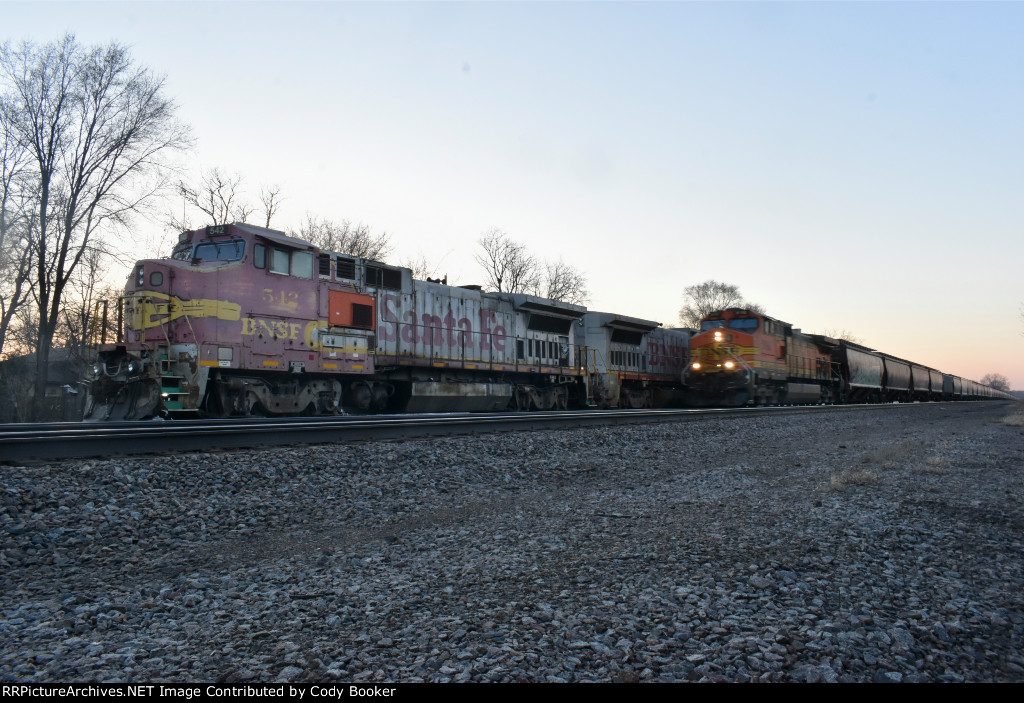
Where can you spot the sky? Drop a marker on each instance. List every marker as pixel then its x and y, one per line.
pixel 849 165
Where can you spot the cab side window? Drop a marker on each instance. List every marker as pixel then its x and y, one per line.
pixel 279 261
pixel 302 264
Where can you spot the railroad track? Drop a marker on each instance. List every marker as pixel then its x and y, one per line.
pixel 67 440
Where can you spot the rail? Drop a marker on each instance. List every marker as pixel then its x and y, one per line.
pixel 45 442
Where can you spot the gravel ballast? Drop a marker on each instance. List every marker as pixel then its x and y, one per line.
pixel 867 545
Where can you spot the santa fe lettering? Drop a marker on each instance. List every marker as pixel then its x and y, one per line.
pixel 437 330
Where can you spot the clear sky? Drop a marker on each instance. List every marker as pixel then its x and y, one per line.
pixel 848 165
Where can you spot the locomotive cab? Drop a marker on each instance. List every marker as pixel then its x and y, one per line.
pixel 225 323
pixel 722 353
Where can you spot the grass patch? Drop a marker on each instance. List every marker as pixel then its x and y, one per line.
pixel 914 456
pixel 852 477
pixel 1015 420
pixel 893 456
pixel 934 465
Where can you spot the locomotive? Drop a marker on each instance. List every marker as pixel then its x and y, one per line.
pixel 741 357
pixel 242 320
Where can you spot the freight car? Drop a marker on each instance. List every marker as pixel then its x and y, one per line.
pixel 242 320
pixel 742 357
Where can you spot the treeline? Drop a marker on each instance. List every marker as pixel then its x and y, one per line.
pixel 88 139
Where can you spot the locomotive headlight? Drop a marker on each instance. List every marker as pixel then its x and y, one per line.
pixel 729 364
pixel 718 336
pixel 696 364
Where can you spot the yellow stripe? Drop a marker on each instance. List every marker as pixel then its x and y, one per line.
pixel 347 349
pixel 439 363
pixel 206 362
pixel 269 363
pixel 330 366
pixel 357 367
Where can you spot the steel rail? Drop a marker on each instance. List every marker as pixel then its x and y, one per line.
pixel 43 442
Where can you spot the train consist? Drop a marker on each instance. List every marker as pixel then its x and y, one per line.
pixel 242 321
pixel 740 356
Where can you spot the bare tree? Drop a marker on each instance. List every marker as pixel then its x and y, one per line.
pixel 217 195
pixel 839 333
pixel 23 334
pixel 997 381
pixel 15 269
pixel 80 317
pixel 219 198
pixel 564 282
pixel 16 221
pixel 422 268
pixel 509 266
pixel 97 127
pixel 344 237
pixel 711 296
pixel 270 198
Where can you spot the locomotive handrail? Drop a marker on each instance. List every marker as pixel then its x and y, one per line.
pixel 742 363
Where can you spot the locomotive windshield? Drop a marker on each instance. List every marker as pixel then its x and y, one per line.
pixel 711 324
pixel 748 324
pixel 231 250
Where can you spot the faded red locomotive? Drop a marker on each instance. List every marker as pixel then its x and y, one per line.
pixel 242 320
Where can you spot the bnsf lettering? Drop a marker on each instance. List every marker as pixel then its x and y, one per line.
pixel 279 329
pixel 661 353
pixel 433 329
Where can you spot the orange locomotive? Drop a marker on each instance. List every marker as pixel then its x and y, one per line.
pixel 740 357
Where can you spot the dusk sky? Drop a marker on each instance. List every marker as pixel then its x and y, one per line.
pixel 848 165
